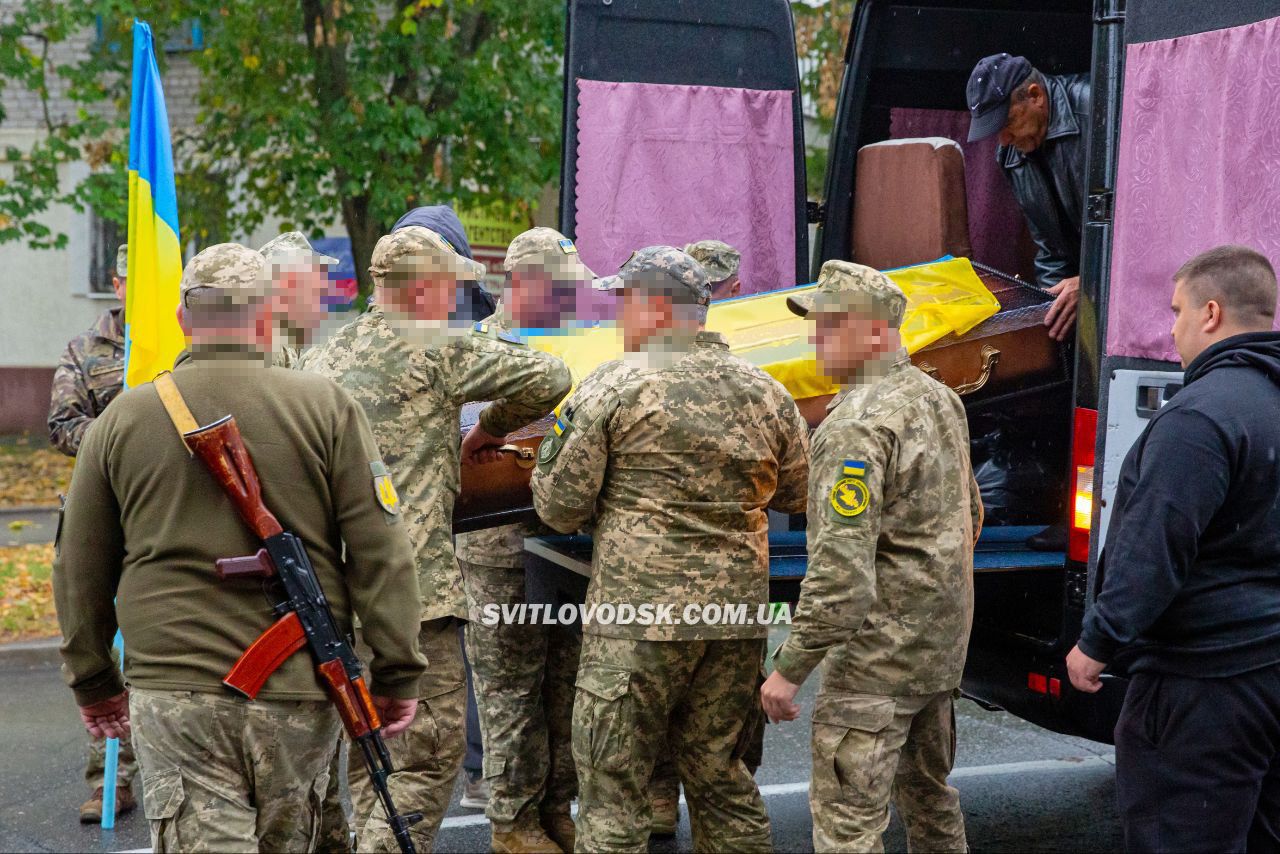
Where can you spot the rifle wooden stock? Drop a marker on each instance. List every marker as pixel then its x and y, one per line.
pixel 265 655
pixel 254 566
pixel 221 448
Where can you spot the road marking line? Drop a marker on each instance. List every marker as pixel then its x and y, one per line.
pixel 1036 766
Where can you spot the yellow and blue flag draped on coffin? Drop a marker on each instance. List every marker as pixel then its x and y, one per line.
pixel 943 297
pixel 152 336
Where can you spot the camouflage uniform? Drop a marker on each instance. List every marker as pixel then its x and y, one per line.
pixel 89 376
pixel 888 597
pixel 218 772
pixel 524 674
pixel 413 395
pixel 674 467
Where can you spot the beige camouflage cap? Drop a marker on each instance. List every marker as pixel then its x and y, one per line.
pixel 122 260
pixel 237 272
pixel 414 250
pixel 548 250
pixel 845 286
pixel 293 245
pixel 720 260
pixel 659 268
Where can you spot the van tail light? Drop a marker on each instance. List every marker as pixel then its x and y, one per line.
pixel 1083 443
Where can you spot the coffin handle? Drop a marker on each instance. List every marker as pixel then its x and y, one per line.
pixel 990 356
pixel 525 457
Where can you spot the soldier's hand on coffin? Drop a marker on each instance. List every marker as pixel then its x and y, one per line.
pixel 1062 314
pixel 396 714
pixel 480 447
pixel 107 718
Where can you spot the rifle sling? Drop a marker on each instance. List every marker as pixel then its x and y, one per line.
pixel 183 421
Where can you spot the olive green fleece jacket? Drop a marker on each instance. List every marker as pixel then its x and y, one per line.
pixel 144 523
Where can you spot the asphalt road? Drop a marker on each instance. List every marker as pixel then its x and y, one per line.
pixel 1022 788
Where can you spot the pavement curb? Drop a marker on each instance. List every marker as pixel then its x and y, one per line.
pixel 35 653
pixel 28 508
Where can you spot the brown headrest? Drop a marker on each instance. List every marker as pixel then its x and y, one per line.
pixel 909 205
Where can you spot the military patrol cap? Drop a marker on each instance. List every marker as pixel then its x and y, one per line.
pixel 844 286
pixel 293 245
pixel 657 268
pixel 414 250
pixel 720 260
pixel 549 250
pixel 236 272
pixel 990 86
pixel 122 260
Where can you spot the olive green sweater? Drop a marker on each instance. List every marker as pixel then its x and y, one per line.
pixel 144 523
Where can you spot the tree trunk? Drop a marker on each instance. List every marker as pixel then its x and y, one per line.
pixel 364 234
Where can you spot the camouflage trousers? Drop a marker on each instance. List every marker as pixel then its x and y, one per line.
pixel 870 750
pixel 427 756
pixel 665 784
pixel 222 773
pixel 96 768
pixel 524 680
pixel 690 698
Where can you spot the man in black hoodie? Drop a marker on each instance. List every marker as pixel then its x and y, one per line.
pixel 1190 598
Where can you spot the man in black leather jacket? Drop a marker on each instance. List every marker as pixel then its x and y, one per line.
pixel 1042 122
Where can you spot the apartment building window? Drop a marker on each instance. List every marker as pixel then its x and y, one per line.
pixel 105 236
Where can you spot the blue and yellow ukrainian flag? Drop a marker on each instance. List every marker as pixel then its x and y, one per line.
pixel 855 468
pixel 152 337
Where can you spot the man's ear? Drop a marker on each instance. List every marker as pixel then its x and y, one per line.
pixel 182 320
pixel 1212 316
pixel 1035 92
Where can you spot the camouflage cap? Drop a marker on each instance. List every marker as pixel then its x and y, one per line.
pixel 122 260
pixel 844 286
pixel 548 250
pixel 720 260
pixel 293 245
pixel 658 267
pixel 236 271
pixel 416 250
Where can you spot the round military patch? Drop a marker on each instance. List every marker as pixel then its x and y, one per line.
pixel 850 496
pixel 548 449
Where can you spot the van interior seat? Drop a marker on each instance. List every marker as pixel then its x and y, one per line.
pixel 910 204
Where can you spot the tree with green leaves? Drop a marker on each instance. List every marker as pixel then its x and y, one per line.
pixel 309 112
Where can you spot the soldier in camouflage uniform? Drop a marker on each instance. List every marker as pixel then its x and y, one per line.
pixel 412 368
pixel 299 280
pixel 672 455
pixel 524 674
pixel 89 376
pixel 721 261
pixel 220 772
pixel 887 600
pixel 91 371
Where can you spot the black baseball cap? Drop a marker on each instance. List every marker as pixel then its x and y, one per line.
pixel 992 82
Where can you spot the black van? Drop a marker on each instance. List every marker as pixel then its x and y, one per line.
pixel 906 65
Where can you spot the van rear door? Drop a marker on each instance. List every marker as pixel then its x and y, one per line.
pixel 727 163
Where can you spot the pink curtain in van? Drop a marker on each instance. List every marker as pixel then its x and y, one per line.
pixel 674 164
pixel 1199 166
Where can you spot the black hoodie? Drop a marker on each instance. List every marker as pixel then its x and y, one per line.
pixel 1191 575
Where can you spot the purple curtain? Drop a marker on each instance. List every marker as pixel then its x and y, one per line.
pixel 1199 166
pixel 675 164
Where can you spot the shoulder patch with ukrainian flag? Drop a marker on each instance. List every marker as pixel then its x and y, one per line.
pixel 567 247
pixel 492 330
pixel 383 489
pixel 850 496
pixel 560 430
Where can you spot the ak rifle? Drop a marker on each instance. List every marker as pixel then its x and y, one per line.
pixel 305 618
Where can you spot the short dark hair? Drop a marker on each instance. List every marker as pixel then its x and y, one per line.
pixel 1241 279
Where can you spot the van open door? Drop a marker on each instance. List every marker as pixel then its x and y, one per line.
pixel 728 164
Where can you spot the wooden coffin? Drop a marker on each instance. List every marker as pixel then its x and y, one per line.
pixel 1008 355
